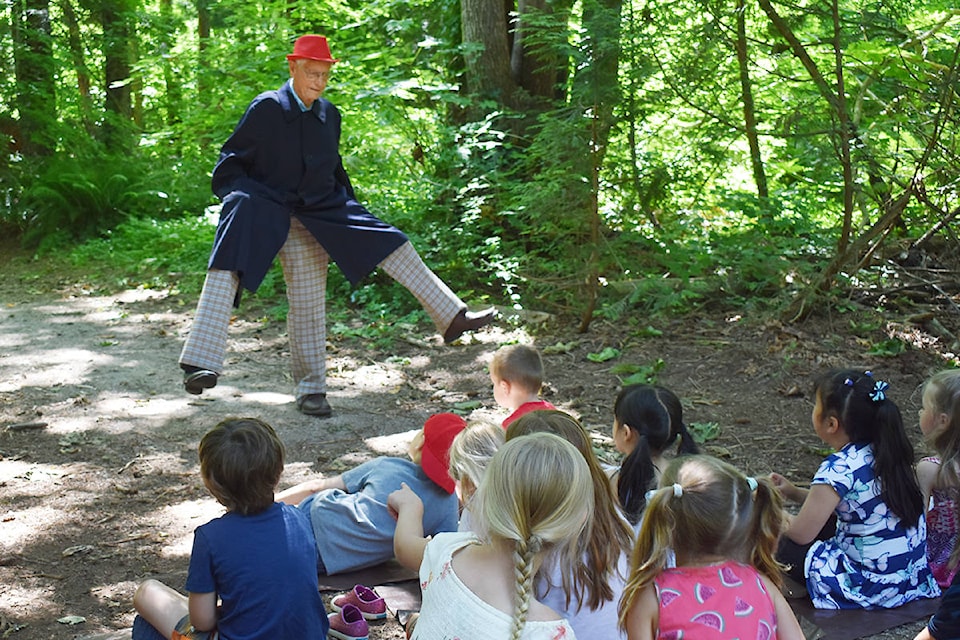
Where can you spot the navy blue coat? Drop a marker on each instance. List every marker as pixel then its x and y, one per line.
pixel 281 162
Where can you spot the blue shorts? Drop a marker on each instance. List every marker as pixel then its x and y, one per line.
pixel 185 631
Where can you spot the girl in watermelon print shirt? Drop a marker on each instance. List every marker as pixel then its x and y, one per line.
pixel 723 528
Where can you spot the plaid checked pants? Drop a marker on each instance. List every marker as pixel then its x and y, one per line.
pixel 305 262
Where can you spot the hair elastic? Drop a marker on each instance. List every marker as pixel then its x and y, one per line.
pixel 878 393
pixel 676 488
pixel 752 483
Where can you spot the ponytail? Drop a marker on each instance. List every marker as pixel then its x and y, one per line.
pixel 867 416
pixel 766 529
pixel 524 555
pixel 637 475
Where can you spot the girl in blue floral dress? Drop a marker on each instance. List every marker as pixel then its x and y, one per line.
pixel 859 540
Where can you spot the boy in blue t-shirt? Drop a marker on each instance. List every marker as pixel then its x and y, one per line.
pixel 253 571
pixel 351 523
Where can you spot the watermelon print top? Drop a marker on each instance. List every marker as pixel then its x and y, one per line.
pixel 725 601
pixel 942 529
pixel 875 561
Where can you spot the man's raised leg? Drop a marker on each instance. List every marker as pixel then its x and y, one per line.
pixel 444 307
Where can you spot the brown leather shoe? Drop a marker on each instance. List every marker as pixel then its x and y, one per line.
pixel 315 404
pixel 195 379
pixel 468 321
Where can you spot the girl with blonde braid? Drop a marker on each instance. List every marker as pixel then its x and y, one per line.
pixel 480 587
pixel 586 596
pixel 723 528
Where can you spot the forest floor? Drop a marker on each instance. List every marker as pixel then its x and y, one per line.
pixel 99 484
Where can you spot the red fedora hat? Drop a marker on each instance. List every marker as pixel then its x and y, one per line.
pixel 312 48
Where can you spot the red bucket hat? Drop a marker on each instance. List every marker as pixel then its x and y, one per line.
pixel 312 48
pixel 438 433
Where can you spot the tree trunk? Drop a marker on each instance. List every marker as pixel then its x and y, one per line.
pixel 173 95
pixel 487 54
pixel 34 69
pixel 75 43
pixel 749 111
pixel 116 19
pixel 539 35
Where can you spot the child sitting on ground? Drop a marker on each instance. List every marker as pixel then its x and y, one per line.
pixel 258 560
pixel 480 588
pixel 516 372
pixel 859 540
pixel 586 596
pixel 470 454
pixel 352 526
pixel 940 476
pixel 723 529
pixel 646 420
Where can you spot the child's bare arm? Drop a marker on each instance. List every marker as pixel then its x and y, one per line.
pixel 203 610
pixel 297 493
pixel 816 510
pixel 788 628
pixel 927 471
pixel 644 616
pixel 408 539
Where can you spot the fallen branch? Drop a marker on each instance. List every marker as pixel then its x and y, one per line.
pixel 26 426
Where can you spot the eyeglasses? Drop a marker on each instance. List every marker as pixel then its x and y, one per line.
pixel 317 75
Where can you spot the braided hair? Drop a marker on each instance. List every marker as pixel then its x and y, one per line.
pixel 535 497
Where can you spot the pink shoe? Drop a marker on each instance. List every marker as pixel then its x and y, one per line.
pixel 371 605
pixel 348 624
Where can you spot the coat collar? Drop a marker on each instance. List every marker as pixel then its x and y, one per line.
pixel 290 104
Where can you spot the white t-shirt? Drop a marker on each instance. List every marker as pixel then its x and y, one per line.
pixel 451 610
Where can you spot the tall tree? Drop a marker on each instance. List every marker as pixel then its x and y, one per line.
pixel 36 89
pixel 117 20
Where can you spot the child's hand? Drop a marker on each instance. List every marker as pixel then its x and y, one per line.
pixel 780 482
pixel 403 498
pixel 786 488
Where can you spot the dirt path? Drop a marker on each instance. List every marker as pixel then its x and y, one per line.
pixel 98 473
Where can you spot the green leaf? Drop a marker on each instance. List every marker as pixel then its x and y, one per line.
pixel 607 354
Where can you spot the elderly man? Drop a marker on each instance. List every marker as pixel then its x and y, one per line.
pixel 285 192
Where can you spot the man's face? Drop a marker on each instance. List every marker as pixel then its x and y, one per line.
pixel 309 78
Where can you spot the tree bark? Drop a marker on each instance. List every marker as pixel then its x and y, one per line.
pixel 116 17
pixel 749 111
pixel 34 69
pixel 487 54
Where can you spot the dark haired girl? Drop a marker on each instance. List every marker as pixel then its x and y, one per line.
pixel 875 556
pixel 647 419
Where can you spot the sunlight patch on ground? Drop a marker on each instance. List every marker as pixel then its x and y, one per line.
pixel 368 378
pixel 21 527
pixel 176 523
pixel 18 598
pixel 268 398
pixel 392 445
pixel 61 366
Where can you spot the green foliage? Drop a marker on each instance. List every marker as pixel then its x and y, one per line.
pixel 704 432
pixel 150 253
pixel 638 373
pixel 607 353
pixel 887 348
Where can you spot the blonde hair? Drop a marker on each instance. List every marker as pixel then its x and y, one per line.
pixel 471 451
pixel 945 394
pixel 705 507
pixel 587 573
pixel 536 496
pixel 518 364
